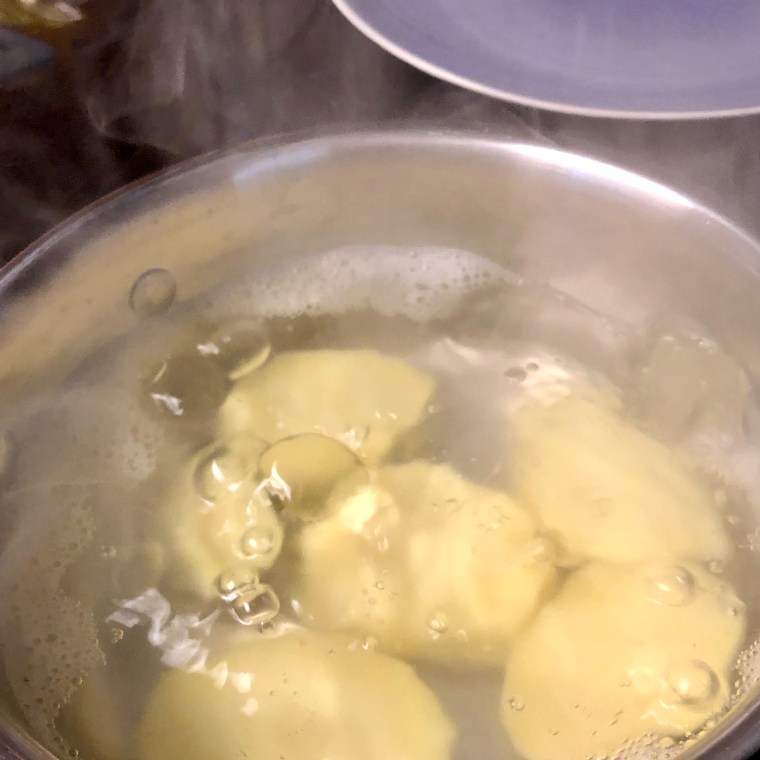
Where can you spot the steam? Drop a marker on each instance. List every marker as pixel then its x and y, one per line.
pixel 187 76
pixel 52 161
pixel 193 75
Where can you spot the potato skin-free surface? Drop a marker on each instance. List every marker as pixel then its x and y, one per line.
pixel 607 490
pixel 302 696
pixel 429 563
pixel 363 398
pixel 618 653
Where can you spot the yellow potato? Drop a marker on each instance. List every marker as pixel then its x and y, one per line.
pixel 621 652
pixel 362 398
pixel 428 563
pixel 607 490
pixel 298 697
pixel 215 519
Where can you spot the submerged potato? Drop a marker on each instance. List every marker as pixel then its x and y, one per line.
pixel 607 490
pixel 298 697
pixel 430 564
pixel 215 519
pixel 621 652
pixel 362 398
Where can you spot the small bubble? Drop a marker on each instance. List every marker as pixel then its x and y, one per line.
pixel 693 681
pixel 368 643
pixel 240 347
pixel 258 541
pixel 518 374
pixel 255 605
pixel 516 704
pixel 666 742
pixel 117 634
pixel 733 520
pixel 672 585
pixel 232 581
pixel 153 293
pixel 221 472
pixel 379 585
pixel 438 624
pixel 266 628
pixel 107 552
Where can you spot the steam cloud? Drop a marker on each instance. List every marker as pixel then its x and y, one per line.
pixel 187 76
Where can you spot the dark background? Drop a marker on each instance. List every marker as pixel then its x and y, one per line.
pixel 141 84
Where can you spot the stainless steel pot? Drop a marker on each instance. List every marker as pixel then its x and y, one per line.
pixel 614 241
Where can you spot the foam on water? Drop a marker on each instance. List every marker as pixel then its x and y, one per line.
pixel 49 640
pixel 421 283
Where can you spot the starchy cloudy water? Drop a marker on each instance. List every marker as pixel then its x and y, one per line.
pixel 381 501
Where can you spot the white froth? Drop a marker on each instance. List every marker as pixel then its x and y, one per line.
pixel 420 283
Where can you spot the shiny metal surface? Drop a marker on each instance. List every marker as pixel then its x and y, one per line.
pixel 617 242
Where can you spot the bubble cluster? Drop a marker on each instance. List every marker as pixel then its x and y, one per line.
pixel 231 582
pixel 421 283
pixel 248 600
pixel 748 670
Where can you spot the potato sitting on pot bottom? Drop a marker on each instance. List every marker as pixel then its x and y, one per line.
pixel 620 653
pixel 429 563
pixel 302 696
pixel 607 490
pixel 364 399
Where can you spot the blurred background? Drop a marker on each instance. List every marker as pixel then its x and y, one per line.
pixel 98 93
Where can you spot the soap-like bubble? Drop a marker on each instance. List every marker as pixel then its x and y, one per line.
pixel 153 293
pixel 255 605
pixel 671 584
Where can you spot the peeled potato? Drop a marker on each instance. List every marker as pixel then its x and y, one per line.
pixel 298 697
pixel 621 652
pixel 215 519
pixel 430 564
pixel 362 398
pixel 607 490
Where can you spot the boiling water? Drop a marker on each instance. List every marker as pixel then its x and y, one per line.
pixel 102 593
